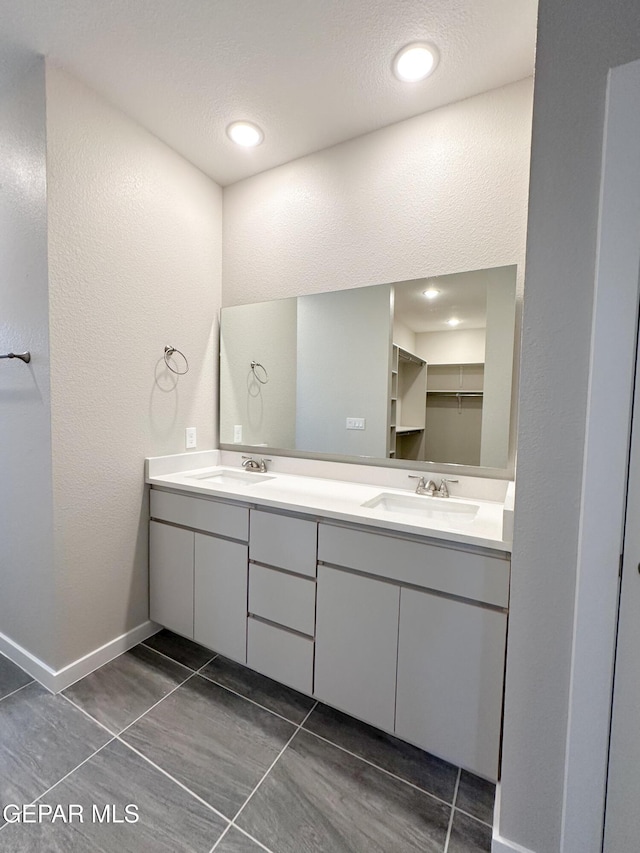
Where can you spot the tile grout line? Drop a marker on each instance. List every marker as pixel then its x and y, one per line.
pixel 174 660
pixel 66 775
pixel 382 769
pixel 155 704
pixel 207 663
pixel 133 722
pixel 17 690
pixel 226 831
pixel 173 779
pixel 253 701
pixel 269 769
pixel 473 817
pixel 246 835
pixel 87 714
pixel 453 809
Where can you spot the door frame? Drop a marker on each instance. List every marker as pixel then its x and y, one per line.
pixel 605 468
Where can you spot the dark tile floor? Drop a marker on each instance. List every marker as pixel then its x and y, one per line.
pixel 216 757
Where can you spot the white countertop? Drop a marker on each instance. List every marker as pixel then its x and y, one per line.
pixel 340 500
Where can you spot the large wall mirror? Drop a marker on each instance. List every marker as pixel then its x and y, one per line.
pixel 409 373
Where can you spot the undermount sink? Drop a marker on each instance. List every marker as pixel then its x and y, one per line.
pixel 231 477
pixel 423 506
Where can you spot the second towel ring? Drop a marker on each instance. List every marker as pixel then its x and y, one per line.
pixel 168 352
pixel 256 365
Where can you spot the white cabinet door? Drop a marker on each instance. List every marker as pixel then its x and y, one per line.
pixel 171 577
pixel 356 645
pixel 450 676
pixel 220 601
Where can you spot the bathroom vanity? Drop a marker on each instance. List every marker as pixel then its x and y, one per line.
pixel 387 605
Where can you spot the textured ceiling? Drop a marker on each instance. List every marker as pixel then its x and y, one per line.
pixel 311 73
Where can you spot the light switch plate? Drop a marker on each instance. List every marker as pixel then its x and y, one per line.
pixel 190 438
pixel 237 433
pixel 355 423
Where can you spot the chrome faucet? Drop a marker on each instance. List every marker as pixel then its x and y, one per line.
pixel 423 488
pixel 251 464
pixel 443 491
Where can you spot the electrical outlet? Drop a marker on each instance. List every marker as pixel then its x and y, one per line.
pixel 190 438
pixel 237 433
pixel 355 423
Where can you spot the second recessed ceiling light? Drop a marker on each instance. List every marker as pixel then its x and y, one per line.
pixel 415 62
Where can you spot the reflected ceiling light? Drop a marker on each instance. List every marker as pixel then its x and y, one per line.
pixel 415 62
pixel 453 322
pixel 431 293
pixel 245 133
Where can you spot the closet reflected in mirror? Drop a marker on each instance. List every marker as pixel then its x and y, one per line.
pixel 416 370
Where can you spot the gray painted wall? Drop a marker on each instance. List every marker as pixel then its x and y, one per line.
pixel 27 601
pixel 134 264
pixel 578 43
pixel 439 193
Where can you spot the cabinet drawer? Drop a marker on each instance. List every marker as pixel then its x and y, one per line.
pixel 479 577
pixel 282 598
pixel 281 655
pixel 279 540
pixel 210 516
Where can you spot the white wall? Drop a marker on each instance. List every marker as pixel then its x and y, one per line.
pixel 344 354
pixel 134 259
pixel 498 370
pixel 27 598
pixel 443 192
pixel 266 333
pixel 458 346
pixel 577 45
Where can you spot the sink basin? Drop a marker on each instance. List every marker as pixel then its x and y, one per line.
pixel 232 477
pixel 423 506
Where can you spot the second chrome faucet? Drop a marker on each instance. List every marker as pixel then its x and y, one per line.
pixel 430 488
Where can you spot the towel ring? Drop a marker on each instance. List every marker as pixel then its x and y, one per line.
pixel 256 364
pixel 168 353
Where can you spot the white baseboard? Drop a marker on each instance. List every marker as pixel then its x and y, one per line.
pixel 57 680
pixel 503 845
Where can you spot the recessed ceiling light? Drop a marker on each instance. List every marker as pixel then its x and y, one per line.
pixel 431 293
pixel 415 62
pixel 453 322
pixel 245 133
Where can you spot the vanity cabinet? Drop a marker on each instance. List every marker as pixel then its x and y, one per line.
pixel 405 633
pixel 357 645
